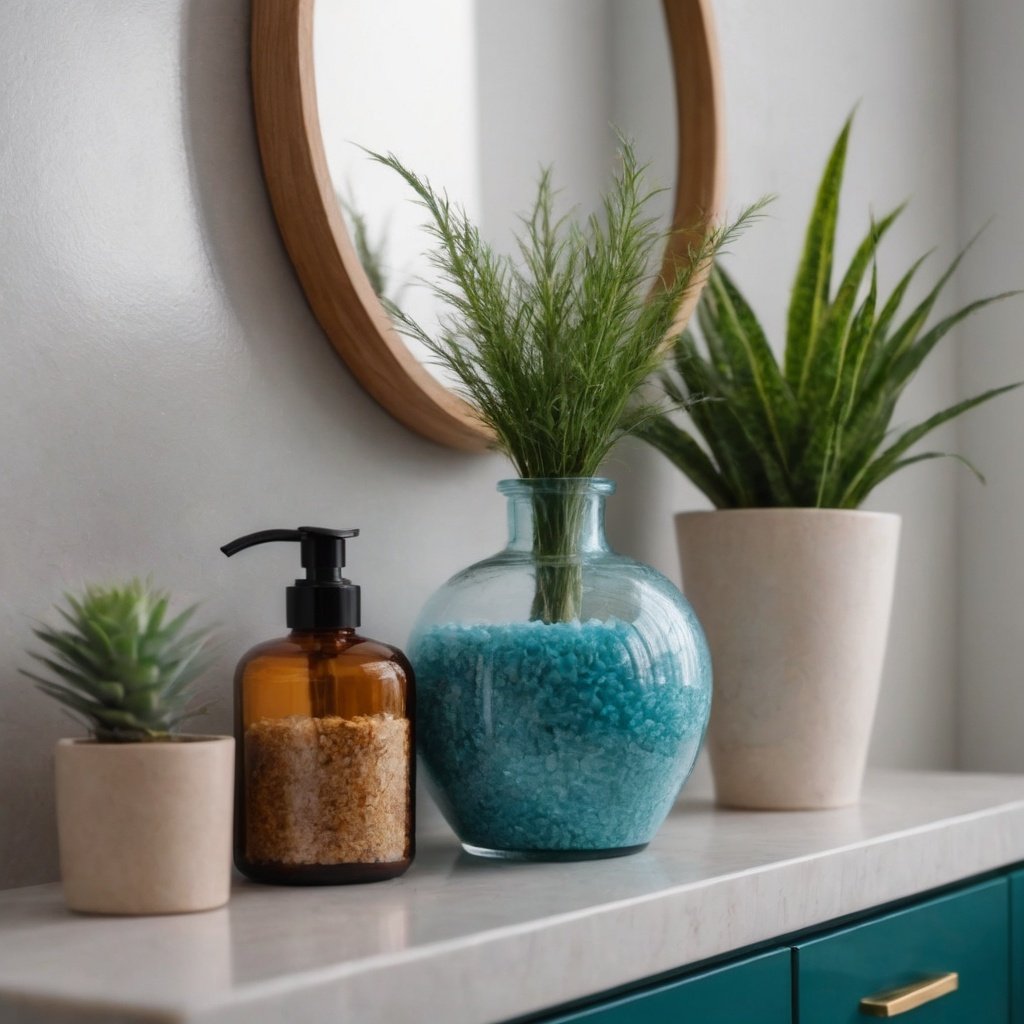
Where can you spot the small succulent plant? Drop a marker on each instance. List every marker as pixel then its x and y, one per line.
pixel 120 664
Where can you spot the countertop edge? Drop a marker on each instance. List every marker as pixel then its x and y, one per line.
pixel 582 954
pixel 537 965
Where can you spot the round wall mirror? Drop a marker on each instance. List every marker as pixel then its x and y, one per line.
pixel 477 95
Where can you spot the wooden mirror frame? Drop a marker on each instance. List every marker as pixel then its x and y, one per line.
pixel 317 238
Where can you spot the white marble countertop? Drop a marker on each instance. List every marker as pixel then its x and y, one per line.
pixel 466 941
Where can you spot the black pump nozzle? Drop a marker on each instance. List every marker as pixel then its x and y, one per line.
pixel 324 599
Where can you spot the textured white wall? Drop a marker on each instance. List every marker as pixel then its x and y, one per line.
pixel 165 388
pixel 529 50
pixel 991 563
pixel 793 71
pixel 363 96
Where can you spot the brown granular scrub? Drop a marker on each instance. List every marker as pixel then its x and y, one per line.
pixel 327 790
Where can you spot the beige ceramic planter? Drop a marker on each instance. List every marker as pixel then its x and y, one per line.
pixel 795 604
pixel 145 828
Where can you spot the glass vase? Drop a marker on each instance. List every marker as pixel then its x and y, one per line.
pixel 563 689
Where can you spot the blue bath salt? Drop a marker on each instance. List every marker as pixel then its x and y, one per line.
pixel 556 736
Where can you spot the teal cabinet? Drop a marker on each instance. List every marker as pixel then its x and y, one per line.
pixel 1017 947
pixel 755 990
pixel 966 932
pixel 976 931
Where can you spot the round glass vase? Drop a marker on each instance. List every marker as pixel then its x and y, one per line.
pixel 563 689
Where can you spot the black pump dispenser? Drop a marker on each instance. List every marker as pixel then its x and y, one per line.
pixel 324 599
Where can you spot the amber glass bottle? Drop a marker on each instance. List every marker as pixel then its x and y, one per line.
pixel 324 736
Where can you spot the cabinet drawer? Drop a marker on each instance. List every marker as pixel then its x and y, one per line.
pixel 1017 947
pixel 758 991
pixel 966 932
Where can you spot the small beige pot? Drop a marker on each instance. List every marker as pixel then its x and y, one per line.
pixel 145 828
pixel 796 605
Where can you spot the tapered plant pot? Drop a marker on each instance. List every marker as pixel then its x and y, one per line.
pixel 795 604
pixel 145 828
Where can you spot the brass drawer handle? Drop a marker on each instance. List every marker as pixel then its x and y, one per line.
pixel 909 997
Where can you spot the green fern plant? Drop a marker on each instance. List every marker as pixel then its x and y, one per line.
pixel 814 431
pixel 120 664
pixel 370 250
pixel 552 347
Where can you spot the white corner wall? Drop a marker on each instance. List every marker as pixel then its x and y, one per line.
pixel 991 555
pixel 165 388
pixel 793 71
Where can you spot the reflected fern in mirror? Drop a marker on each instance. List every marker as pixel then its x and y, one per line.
pixel 370 249
pixel 815 430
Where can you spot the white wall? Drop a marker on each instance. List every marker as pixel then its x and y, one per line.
pixel 373 65
pixel 991 563
pixel 164 387
pixel 643 94
pixel 793 71
pixel 528 51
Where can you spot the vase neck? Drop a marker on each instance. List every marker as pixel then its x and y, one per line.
pixel 557 518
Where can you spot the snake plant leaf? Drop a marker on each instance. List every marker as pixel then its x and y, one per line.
pixel 884 465
pixel 851 369
pixel 713 340
pixel 815 433
pixel 905 352
pixel 907 364
pixel 810 298
pixel 831 353
pixel 825 439
pixel 895 300
pixel 747 350
pixel 927 456
pixel 904 337
pixel 687 455
pixel 727 444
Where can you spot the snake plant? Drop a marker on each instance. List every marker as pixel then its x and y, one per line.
pixel 813 430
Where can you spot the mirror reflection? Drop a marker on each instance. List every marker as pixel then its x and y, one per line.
pixel 477 95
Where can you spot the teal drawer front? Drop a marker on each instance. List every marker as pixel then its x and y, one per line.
pixel 1017 946
pixel 966 932
pixel 755 991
